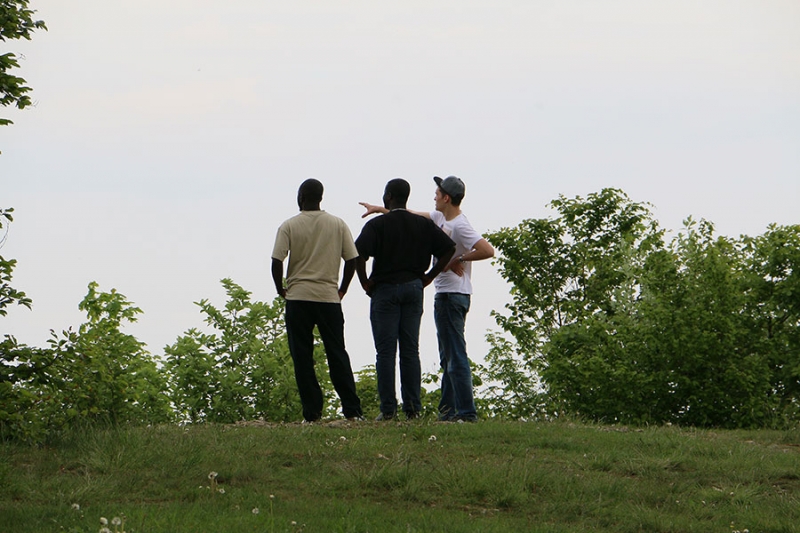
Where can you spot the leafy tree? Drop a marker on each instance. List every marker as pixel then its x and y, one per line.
pixel 771 274
pixel 13 400
pixel 242 372
pixel 16 22
pixel 572 277
pixel 8 295
pixel 622 327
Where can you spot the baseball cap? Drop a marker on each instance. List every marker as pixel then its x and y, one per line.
pixel 451 185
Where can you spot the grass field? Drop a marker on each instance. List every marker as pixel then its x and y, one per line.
pixel 419 476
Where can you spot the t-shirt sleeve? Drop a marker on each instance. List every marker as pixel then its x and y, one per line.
pixel 281 249
pixel 365 243
pixel 349 250
pixel 466 235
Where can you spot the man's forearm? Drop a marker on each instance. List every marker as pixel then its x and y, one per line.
pixel 277 276
pixel 482 250
pixel 441 262
pixel 347 275
pixel 361 270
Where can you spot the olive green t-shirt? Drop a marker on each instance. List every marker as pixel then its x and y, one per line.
pixel 316 242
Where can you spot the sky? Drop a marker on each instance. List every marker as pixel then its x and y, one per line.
pixel 168 139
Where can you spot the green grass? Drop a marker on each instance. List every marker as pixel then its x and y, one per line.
pixel 418 476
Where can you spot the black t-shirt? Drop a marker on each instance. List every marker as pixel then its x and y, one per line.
pixel 401 244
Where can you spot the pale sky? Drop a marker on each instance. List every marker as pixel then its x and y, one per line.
pixel 169 138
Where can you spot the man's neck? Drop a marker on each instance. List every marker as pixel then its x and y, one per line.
pixel 451 211
pixel 393 206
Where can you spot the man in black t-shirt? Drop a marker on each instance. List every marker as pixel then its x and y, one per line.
pixel 401 245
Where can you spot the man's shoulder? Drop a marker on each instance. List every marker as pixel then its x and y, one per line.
pixel 462 220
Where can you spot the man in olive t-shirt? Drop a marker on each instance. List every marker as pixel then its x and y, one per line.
pixel 316 242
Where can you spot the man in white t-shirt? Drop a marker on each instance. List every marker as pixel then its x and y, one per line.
pixel 453 297
pixel 316 242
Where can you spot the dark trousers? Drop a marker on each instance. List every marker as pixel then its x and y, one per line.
pixel 301 317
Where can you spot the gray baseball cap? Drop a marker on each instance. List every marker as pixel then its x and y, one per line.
pixel 452 186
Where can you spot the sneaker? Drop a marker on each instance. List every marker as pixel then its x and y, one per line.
pixel 357 418
pixel 384 416
pixel 411 415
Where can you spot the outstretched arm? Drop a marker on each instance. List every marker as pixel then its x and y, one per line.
pixel 347 276
pixel 277 277
pixel 481 250
pixel 373 209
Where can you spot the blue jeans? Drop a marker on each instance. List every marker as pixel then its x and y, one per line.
pixel 450 312
pixel 395 313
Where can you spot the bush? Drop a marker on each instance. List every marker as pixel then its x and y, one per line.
pixel 623 327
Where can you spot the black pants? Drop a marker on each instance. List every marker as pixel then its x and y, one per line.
pixel 301 317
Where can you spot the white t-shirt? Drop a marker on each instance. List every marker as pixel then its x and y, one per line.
pixel 316 242
pixel 461 231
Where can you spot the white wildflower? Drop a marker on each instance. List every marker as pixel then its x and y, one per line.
pixel 103 521
pixel 76 507
pixel 255 510
pixel 212 475
pixel 432 438
pixel 116 521
pixel 221 490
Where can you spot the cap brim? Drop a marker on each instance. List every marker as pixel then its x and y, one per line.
pixel 438 180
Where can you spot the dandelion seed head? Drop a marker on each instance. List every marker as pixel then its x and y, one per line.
pixel 212 475
pixel 76 506
pixel 343 438
pixel 271 496
pixel 116 521
pixel 432 438
pixel 255 510
pixel 221 490
pixel 103 521
pixel 105 530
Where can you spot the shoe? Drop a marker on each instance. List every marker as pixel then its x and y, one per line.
pixel 411 415
pixel 461 419
pixel 357 418
pixel 384 416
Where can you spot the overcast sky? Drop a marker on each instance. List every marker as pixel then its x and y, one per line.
pixel 169 137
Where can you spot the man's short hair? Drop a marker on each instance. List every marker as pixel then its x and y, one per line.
pixel 399 189
pixel 311 190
